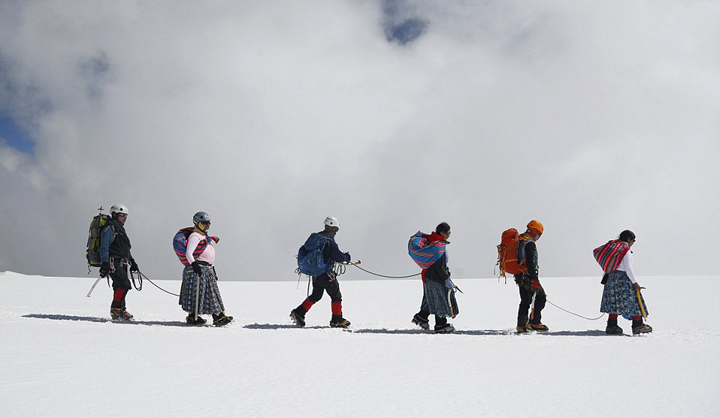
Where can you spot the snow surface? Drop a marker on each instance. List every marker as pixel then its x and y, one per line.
pixel 62 357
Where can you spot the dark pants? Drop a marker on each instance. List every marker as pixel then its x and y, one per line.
pixel 120 284
pixel 526 296
pixel 321 284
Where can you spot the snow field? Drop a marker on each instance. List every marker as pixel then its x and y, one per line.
pixel 62 357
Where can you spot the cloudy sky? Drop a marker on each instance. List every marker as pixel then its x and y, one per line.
pixel 592 117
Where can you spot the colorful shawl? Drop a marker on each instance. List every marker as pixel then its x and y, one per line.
pixel 610 255
pixel 425 253
pixel 180 244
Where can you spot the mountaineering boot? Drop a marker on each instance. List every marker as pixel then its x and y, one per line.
pixel 444 329
pixel 521 327
pixel 339 323
pixel 221 319
pixel 120 314
pixel 642 329
pixel 421 322
pixel 537 327
pixel 639 328
pixel 190 320
pixel 613 328
pixel 298 319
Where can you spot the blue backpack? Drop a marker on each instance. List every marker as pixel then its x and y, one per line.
pixel 310 256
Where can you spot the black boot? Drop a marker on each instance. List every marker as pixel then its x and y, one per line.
pixel 421 321
pixel 613 328
pixel 639 328
pixel 220 320
pixel 522 325
pixel 298 318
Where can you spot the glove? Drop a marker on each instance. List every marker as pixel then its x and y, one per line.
pixel 349 259
pixel 449 284
pixel 215 239
pixel 104 269
pixel 535 285
pixel 134 267
pixel 197 268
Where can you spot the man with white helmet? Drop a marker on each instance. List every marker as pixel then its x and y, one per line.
pixel 115 257
pixel 327 281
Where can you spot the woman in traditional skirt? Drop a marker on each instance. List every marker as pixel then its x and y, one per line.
pixel 438 289
pixel 621 295
pixel 199 294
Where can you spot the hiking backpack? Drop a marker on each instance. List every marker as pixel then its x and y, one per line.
pixel 310 256
pixel 508 254
pixel 93 243
pixel 180 241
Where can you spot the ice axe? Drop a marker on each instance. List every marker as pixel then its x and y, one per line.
pixel 640 302
pixel 93 287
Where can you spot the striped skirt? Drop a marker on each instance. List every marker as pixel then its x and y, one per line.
pixel 619 296
pixel 439 300
pixel 210 301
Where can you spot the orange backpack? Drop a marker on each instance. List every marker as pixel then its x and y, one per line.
pixel 507 254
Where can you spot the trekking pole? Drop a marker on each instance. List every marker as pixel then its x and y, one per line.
pixel 642 308
pixel 93 287
pixel 197 296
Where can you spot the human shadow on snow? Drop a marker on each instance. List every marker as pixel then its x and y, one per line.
pixel 59 317
pixel 589 333
pixel 281 326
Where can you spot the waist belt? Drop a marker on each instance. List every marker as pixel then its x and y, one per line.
pixel 122 261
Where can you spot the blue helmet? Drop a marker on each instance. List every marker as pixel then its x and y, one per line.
pixel 201 217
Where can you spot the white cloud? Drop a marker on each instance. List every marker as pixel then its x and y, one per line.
pixel 271 116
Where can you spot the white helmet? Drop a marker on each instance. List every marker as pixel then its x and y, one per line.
pixel 119 208
pixel 332 221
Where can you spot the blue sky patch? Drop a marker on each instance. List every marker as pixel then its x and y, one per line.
pixel 406 31
pixel 399 23
pixel 15 136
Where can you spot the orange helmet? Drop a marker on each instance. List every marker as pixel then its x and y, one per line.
pixel 535 224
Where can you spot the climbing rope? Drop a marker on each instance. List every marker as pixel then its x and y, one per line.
pixel 141 276
pixel 573 313
pixel 382 275
pixel 135 280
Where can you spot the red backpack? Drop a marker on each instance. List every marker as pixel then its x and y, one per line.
pixel 507 254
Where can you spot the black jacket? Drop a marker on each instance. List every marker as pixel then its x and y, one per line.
pixel 439 271
pixel 527 251
pixel 120 245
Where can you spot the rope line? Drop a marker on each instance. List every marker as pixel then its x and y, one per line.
pixel 387 277
pixel 142 276
pixel 573 313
